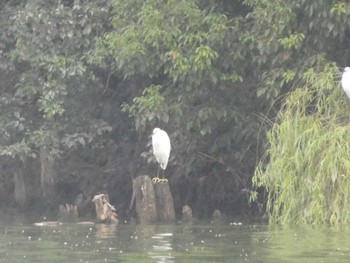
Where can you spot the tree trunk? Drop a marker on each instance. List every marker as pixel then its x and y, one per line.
pixel 46 175
pixel 145 200
pixel 20 189
pixel 164 203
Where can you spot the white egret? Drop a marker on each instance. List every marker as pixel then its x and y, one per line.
pixel 161 150
pixel 345 81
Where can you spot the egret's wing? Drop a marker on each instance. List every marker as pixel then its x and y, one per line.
pixel 345 82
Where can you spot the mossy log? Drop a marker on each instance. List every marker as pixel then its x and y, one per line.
pixel 105 212
pixel 154 202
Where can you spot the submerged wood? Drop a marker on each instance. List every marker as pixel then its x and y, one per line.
pixel 164 202
pixel 68 213
pixel 105 212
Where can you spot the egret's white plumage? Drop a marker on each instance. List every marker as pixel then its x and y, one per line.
pixel 345 81
pixel 161 147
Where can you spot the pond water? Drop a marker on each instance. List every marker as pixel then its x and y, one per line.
pixel 172 243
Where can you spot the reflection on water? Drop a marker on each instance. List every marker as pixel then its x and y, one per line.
pixel 172 243
pixel 162 247
pixel 105 231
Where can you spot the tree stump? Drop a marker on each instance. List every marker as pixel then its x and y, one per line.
pixel 187 214
pixel 154 202
pixel 105 212
pixel 143 193
pixel 164 203
pixel 67 214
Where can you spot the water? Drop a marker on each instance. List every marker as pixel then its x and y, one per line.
pixel 174 243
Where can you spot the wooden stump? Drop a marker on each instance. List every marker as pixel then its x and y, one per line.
pixel 145 200
pixel 105 212
pixel 68 214
pixel 154 202
pixel 218 218
pixel 164 203
pixel 187 214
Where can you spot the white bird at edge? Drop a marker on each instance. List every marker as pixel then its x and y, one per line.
pixel 345 81
pixel 161 150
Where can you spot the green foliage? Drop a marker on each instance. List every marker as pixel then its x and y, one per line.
pixel 187 58
pixel 292 41
pixel 306 169
pixel 77 77
pixel 288 35
pixel 148 107
pixel 50 52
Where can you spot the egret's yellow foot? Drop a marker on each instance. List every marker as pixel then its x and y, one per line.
pixel 163 180
pixel 156 180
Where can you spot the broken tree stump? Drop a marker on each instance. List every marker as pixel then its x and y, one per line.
pixel 105 212
pixel 68 214
pixel 154 202
pixel 143 193
pixel 187 214
pixel 164 202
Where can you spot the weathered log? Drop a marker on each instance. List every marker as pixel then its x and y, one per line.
pixel 105 212
pixel 164 202
pixel 143 192
pixel 68 213
pixel 48 223
pixel 187 214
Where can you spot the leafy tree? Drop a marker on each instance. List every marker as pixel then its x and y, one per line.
pixel 303 171
pixel 47 50
pixel 185 63
pixel 306 173
pixel 288 38
pixel 84 83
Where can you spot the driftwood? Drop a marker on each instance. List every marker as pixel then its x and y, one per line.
pixel 68 213
pixel 105 212
pixel 48 223
pixel 154 202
